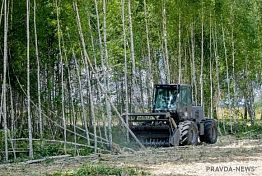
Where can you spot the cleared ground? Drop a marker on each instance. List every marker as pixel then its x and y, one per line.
pixel 228 157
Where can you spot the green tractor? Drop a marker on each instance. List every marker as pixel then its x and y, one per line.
pixel 173 120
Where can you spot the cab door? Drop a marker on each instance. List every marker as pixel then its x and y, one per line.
pixel 185 102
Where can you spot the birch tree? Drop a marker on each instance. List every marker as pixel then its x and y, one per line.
pixel 210 67
pixel 30 138
pixel 193 63
pixel 150 73
pixel 165 42
pixel 38 76
pixel 179 49
pixel 125 67
pixel 132 55
pixel 4 88
pixel 108 107
pixel 86 59
pixel 202 58
pixel 62 75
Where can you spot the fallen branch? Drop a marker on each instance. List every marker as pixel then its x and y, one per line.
pixel 44 159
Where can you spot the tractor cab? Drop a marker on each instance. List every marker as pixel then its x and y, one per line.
pixel 173 98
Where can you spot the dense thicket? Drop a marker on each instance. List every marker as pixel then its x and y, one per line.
pixel 77 54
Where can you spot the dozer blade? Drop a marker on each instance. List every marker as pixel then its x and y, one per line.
pixel 153 129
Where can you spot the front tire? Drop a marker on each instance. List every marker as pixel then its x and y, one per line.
pixel 210 132
pixel 188 133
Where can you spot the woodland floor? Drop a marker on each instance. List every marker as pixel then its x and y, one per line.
pixel 192 160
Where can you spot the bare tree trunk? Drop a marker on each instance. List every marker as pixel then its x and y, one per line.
pixel 12 133
pixel 165 43
pixel 228 80
pixel 79 81
pixel 125 69
pixel 217 68
pixel 92 42
pixel 185 79
pixel 92 105
pixel 226 60
pixel 179 49
pixel 87 63
pixel 38 77
pixel 82 100
pixel 99 34
pixel 233 70
pixel 202 58
pixel 98 90
pixel 72 104
pixel 28 82
pixel 150 73
pixel 2 7
pixel 108 107
pixel 210 69
pixel 4 89
pixel 250 106
pixel 104 53
pixel 132 52
pixel 193 62
pixel 62 76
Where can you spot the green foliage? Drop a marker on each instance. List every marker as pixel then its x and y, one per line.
pixel 49 149
pixel 101 170
pixel 241 129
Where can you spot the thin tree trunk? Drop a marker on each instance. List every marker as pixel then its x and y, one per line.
pixel 185 79
pixel 150 81
pixel 202 59
pixel 4 89
pixel 91 99
pixel 38 77
pixel 98 90
pixel 108 107
pixel 125 69
pixel 2 7
pixel 132 52
pixel 210 69
pixel 87 63
pixel 92 42
pixel 228 80
pixel 12 133
pixel 28 81
pixel 99 34
pixel 217 69
pixel 179 49
pixel 62 76
pixel 73 107
pixel 233 64
pixel 141 90
pixel 82 101
pixel 104 53
pixel 165 43
pixel 193 63
pixel 227 69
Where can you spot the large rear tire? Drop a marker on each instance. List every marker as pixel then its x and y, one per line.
pixel 188 133
pixel 210 132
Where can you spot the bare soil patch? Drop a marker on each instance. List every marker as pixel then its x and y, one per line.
pixel 244 156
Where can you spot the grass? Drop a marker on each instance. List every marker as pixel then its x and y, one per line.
pixel 101 170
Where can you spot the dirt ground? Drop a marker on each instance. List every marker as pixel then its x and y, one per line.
pixel 228 157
